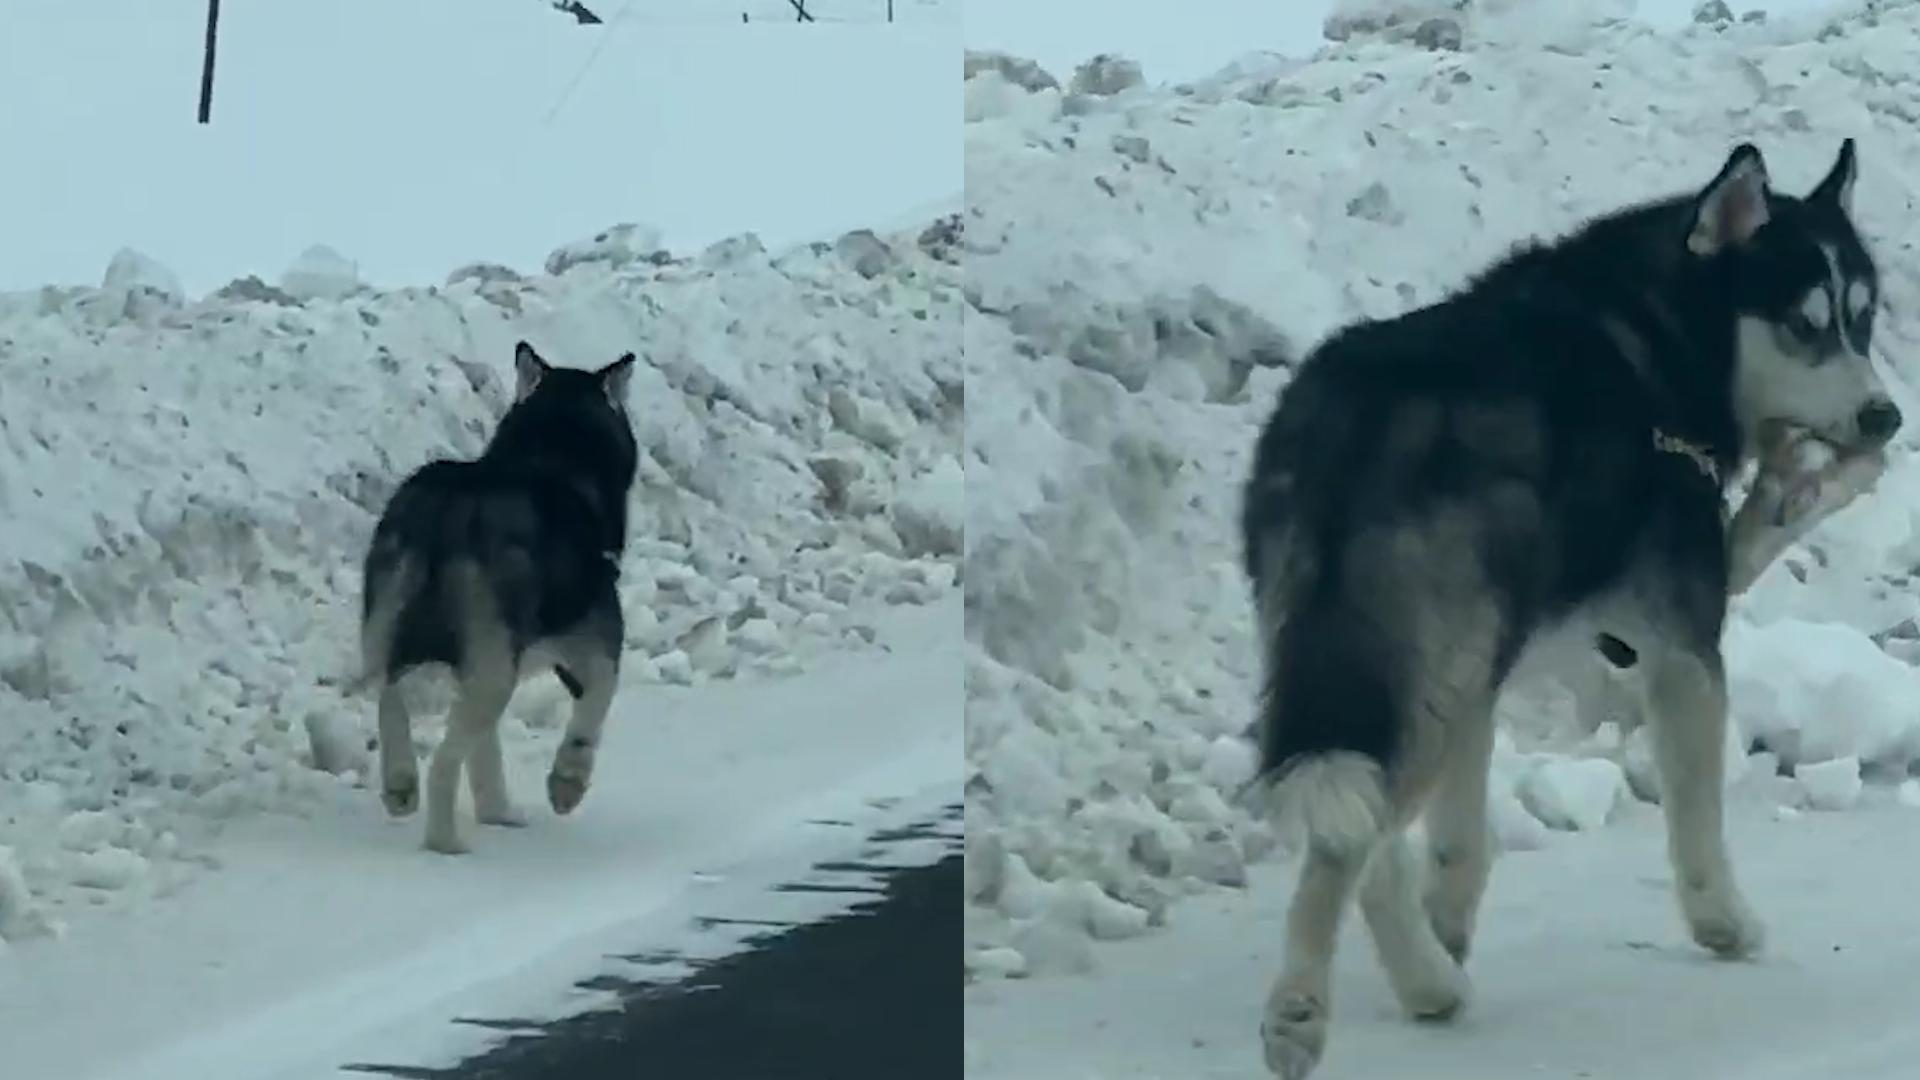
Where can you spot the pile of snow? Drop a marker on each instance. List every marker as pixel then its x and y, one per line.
pixel 188 489
pixel 1141 267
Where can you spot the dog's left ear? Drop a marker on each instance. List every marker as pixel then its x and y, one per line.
pixel 614 378
pixel 528 370
pixel 1837 188
pixel 1733 207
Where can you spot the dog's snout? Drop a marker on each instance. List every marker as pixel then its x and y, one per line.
pixel 1878 420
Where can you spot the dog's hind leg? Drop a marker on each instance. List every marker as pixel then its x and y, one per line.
pixel 1294 1029
pixel 483 695
pixel 1429 984
pixel 1688 715
pixel 392 582
pixel 399 771
pixel 1459 835
pixel 487 777
pixel 596 673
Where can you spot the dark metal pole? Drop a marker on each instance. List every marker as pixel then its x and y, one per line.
pixel 206 67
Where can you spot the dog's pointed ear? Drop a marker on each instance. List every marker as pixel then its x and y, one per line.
pixel 615 377
pixel 1837 188
pixel 528 370
pixel 1733 207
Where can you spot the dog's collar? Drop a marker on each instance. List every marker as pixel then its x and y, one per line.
pixel 1668 443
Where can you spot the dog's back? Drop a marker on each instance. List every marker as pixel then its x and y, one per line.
pixel 1434 487
pixel 525 539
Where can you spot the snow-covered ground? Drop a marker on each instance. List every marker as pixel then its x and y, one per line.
pixel 1129 245
pixel 332 938
pixel 189 486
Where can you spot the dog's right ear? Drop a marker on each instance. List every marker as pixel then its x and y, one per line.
pixel 614 379
pixel 1733 207
pixel 528 369
pixel 1837 188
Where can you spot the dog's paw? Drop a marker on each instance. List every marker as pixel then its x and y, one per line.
pixel 446 842
pixel 504 814
pixel 1294 1033
pixel 401 795
pixel 564 793
pixel 1725 926
pixel 1437 996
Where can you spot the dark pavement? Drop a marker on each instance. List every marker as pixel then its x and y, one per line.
pixel 870 994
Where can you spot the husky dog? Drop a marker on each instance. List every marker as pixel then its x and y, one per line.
pixel 500 567
pixel 1553 442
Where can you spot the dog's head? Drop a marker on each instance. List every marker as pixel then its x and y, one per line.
pixel 1804 291
pixel 585 407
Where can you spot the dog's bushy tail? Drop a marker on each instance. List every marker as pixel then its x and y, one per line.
pixel 1327 730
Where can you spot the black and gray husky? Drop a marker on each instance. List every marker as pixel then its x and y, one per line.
pixel 501 566
pixel 1552 443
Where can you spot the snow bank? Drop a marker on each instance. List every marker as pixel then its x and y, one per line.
pixel 1141 267
pixel 189 487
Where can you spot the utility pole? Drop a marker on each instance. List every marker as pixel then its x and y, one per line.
pixel 206 65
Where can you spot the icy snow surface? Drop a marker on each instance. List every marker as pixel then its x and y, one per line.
pixel 1139 265
pixel 189 488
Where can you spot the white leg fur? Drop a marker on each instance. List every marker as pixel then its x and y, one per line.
pixel 1294 1030
pixel 1688 714
pixel 573 763
pixel 482 699
pixel 399 772
pixel 487 777
pixel 1429 984
pixel 1459 836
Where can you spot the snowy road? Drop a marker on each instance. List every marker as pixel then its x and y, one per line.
pixel 338 940
pixel 1581 970
pixel 871 993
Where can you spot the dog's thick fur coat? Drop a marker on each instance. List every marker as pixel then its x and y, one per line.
pixel 1552 442
pixel 502 566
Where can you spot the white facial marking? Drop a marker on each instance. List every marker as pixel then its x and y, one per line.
pixel 1859 296
pixel 1816 308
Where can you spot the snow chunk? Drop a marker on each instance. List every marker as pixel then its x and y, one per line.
pixel 866 253
pixel 1021 72
pixel 621 245
pixel 107 868
pixel 131 270
pixel 1514 826
pixel 1815 691
pixel 21 917
pixel 1573 793
pixel 998 961
pixel 1106 75
pixel 86 830
pixel 930 511
pixel 1830 785
pixel 335 743
pixel 320 273
pixel 1908 793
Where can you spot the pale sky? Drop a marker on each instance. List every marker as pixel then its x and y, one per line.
pixel 454 132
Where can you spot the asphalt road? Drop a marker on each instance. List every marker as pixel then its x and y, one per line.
pixel 870 994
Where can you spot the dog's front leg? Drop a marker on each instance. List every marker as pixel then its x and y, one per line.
pixel 1688 713
pixel 596 675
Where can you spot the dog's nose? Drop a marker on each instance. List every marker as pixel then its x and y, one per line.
pixel 1878 420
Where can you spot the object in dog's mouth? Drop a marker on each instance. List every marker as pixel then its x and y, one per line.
pixel 1795 464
